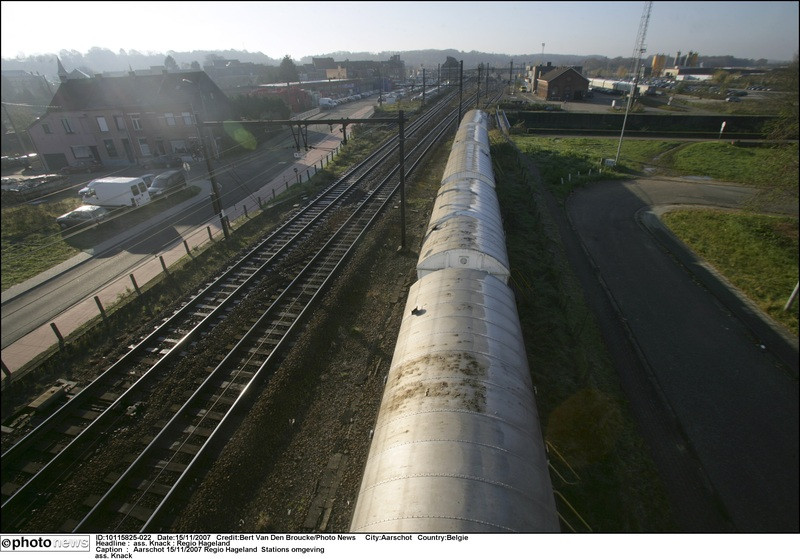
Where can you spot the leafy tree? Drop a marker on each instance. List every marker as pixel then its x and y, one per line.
pixel 170 64
pixel 722 78
pixel 288 71
pixel 785 127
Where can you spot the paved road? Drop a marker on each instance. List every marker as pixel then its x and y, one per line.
pixel 735 403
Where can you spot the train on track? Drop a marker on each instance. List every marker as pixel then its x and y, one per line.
pixel 619 87
pixel 457 445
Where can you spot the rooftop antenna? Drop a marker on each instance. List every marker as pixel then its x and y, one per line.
pixel 638 50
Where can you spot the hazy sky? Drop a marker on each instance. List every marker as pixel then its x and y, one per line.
pixel 742 29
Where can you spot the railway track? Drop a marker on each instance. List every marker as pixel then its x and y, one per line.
pixel 146 486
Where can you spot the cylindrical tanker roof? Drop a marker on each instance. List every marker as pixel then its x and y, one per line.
pixel 466 195
pixel 464 242
pixel 465 231
pixel 469 160
pixel 457 446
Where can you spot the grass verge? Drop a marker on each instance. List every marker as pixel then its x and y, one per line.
pixel 31 240
pixel 605 472
pixel 565 163
pixel 757 253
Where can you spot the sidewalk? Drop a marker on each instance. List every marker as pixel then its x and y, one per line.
pixel 30 346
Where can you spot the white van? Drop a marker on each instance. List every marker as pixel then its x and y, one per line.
pixel 326 103
pixel 112 192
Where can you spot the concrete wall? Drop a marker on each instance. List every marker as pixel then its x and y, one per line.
pixel 701 125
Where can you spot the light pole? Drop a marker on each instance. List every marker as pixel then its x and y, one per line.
pixel 216 199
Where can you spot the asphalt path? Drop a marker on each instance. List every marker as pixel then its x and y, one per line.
pixel 716 385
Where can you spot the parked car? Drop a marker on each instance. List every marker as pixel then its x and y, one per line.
pixel 166 183
pixel 164 161
pixel 84 215
pixel 81 167
pixel 18 161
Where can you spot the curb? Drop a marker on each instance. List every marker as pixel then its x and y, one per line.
pixel 770 335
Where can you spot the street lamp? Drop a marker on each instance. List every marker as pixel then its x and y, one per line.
pixel 216 199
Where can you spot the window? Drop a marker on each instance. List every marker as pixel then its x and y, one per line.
pixel 101 122
pixel 137 122
pixel 67 126
pixel 178 146
pixel 170 119
pixel 111 149
pixel 145 149
pixel 187 119
pixel 120 122
pixel 81 152
pixel 46 128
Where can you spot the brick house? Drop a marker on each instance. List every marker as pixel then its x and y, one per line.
pixel 562 84
pixel 126 120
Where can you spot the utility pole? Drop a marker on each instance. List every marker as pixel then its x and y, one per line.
pixel 216 199
pixel 460 87
pixel 401 141
pixel 478 93
pixel 423 87
pixel 638 50
pixel 380 89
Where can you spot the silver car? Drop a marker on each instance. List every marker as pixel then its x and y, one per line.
pixel 166 183
pixel 84 215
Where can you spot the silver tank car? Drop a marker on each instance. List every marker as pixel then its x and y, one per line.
pixel 474 127
pixel 470 156
pixel 465 230
pixel 457 446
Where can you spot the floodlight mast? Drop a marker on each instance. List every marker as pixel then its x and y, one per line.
pixel 638 51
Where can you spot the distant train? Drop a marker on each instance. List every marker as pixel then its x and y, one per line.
pixel 615 86
pixel 457 446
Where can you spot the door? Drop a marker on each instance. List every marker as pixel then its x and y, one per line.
pixel 126 145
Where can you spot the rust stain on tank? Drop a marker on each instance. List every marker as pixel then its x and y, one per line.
pixel 464 388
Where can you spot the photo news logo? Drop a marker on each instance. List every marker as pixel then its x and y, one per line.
pixel 45 543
